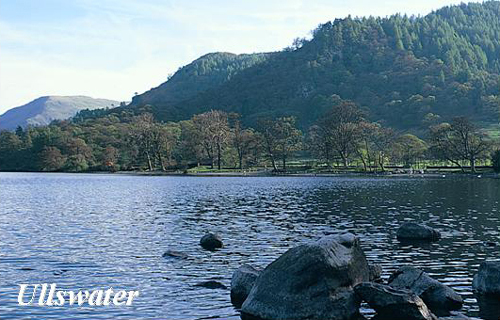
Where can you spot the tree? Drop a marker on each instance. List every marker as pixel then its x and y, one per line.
pixel 213 129
pixel 409 148
pixel 280 138
pixel 458 141
pixel 383 141
pixel 289 138
pixel 319 143
pixel 52 159
pixel 141 134
pixel 164 139
pixel 244 141
pixel 341 127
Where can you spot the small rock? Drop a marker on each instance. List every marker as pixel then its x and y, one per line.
pixel 375 273
pixel 487 280
pixel 416 231
pixel 440 298
pixel 211 242
pixel 391 303
pixel 241 283
pixel 311 281
pixel 175 254
pixel 211 284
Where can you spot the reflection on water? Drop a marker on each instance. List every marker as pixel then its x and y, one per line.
pixel 101 231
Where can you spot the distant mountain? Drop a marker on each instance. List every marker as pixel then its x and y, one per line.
pixel 404 71
pixel 44 110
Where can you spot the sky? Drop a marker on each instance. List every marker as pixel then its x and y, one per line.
pixel 114 48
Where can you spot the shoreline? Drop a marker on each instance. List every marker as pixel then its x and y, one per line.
pixel 270 174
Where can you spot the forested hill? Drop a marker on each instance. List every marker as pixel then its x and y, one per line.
pixel 405 71
pixel 206 72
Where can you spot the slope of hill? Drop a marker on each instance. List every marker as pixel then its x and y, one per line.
pixel 206 72
pixel 44 110
pixel 406 71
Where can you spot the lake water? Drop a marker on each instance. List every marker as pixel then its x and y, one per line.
pixel 99 231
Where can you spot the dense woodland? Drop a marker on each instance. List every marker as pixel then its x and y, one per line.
pixel 404 70
pixel 362 92
pixel 341 139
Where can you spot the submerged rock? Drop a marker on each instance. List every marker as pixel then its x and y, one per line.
pixel 175 254
pixel 438 297
pixel 211 284
pixel 392 304
pixel 242 283
pixel 311 281
pixel 487 280
pixel 416 231
pixel 211 242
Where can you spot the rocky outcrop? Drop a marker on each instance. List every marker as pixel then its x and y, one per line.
pixel 211 242
pixel 391 303
pixel 487 280
pixel 416 231
pixel 311 281
pixel 438 297
pixel 242 283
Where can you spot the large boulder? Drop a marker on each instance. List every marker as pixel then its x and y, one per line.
pixel 311 281
pixel 416 231
pixel 392 304
pixel 242 283
pixel 487 280
pixel 211 242
pixel 438 297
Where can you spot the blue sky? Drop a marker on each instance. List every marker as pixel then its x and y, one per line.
pixel 113 48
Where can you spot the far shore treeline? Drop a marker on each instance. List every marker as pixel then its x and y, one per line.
pixel 342 139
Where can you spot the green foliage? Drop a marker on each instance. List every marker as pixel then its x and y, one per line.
pixel 400 68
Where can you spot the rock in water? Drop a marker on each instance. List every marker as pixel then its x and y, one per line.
pixel 438 297
pixel 211 241
pixel 392 304
pixel 416 231
pixel 311 281
pixel 211 284
pixel 175 254
pixel 487 280
pixel 241 283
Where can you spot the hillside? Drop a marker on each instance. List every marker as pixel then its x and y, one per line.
pixel 205 73
pixel 404 71
pixel 44 110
